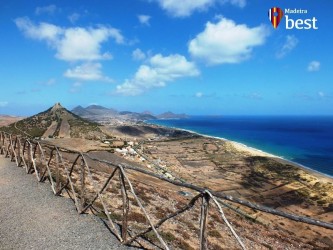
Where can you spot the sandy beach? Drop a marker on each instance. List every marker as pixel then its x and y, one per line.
pixel 251 151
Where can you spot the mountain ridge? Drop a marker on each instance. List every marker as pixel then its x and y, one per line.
pixel 97 112
pixel 56 122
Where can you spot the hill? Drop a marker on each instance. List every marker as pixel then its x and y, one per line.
pixel 7 119
pixel 100 113
pixel 170 115
pixel 94 110
pixel 56 122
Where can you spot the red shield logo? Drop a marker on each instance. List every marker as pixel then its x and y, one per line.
pixel 275 15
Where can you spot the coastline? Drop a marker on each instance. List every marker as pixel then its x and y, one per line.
pixel 255 152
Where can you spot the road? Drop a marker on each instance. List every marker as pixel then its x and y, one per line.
pixel 31 217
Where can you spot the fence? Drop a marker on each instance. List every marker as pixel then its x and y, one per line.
pixel 104 188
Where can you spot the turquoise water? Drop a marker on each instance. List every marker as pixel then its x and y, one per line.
pixel 307 140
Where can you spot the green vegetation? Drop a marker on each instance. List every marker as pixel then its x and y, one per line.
pixel 134 216
pixel 37 125
pixel 165 235
pixel 82 128
pixel 214 233
pixel 264 169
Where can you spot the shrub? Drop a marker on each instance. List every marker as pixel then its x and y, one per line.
pixel 214 233
pixel 168 236
pixel 134 216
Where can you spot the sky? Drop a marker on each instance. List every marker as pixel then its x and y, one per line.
pixel 200 57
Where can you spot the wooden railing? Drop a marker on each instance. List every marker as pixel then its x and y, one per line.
pixel 87 180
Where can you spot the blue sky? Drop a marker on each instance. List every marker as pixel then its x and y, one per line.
pixel 211 57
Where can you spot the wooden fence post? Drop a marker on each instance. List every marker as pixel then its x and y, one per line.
pixel 125 206
pixel 203 221
pixel 83 182
pixel 19 151
pixel 57 173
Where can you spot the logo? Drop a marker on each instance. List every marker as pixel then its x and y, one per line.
pixel 275 15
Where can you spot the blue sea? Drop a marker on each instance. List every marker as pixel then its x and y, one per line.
pixel 306 140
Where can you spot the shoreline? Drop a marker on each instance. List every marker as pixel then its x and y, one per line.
pixel 255 152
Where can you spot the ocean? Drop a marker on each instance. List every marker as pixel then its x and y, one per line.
pixel 306 140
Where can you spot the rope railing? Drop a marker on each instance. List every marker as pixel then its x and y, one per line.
pixel 77 175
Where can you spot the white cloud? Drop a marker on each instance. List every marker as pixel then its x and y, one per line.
pixel 239 3
pixel 199 94
pixel 187 7
pixel 44 31
pixel 321 94
pixel 84 44
pixel 138 55
pixel 314 66
pixel 87 72
pixel 73 18
pixel 226 42
pixel 290 43
pixel 50 9
pixel 144 19
pixel 71 44
pixel 3 104
pixel 159 71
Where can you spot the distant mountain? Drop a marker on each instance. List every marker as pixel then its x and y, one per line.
pixel 136 116
pixel 56 122
pixel 93 110
pixel 100 110
pixel 125 113
pixel 81 111
pixel 170 115
pixel 100 113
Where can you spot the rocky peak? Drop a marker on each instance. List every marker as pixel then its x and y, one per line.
pixel 57 106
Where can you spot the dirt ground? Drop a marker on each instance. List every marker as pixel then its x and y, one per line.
pixel 222 166
pixel 234 169
pixel 6 120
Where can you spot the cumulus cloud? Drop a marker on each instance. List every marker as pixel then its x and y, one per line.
pixel 144 19
pixel 187 7
pixel 159 71
pixel 50 9
pixel 226 42
pixel 87 72
pixel 3 104
pixel 313 66
pixel 138 55
pixel 290 43
pixel 71 44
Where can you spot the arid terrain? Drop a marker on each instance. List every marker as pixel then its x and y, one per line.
pixel 234 169
pixel 6 119
pixel 222 166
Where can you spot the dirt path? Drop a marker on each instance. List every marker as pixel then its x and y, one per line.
pixel 31 217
